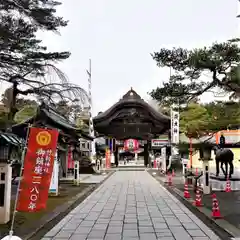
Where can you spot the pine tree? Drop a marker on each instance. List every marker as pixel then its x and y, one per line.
pixel 25 61
pixel 209 69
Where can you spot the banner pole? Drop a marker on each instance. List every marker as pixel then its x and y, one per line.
pixel 19 182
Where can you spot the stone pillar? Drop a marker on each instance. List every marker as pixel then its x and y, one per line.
pixel 5 192
pixel 76 173
pixel 136 157
pixel 206 177
pixel 98 164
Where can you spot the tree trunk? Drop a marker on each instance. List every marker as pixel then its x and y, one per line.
pixel 12 107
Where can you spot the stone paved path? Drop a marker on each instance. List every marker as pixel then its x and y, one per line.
pixel 131 205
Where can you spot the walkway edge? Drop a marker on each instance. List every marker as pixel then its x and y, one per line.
pixel 222 224
pixel 66 208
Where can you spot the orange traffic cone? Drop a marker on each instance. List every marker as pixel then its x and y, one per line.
pixel 198 199
pixel 215 207
pixel 228 186
pixel 169 179
pixel 186 192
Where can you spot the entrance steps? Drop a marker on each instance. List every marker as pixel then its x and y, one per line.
pixel 131 168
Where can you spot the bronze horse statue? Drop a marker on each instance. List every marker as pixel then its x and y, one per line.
pixel 224 156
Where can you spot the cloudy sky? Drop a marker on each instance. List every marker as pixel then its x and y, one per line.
pixel 119 35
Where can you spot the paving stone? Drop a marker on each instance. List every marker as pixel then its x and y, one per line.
pixel 71 225
pixel 146 230
pixel 148 236
pixel 130 226
pixel 145 223
pixel 102 220
pixel 114 229
pixel 130 220
pixel 87 223
pixel 131 205
pixel 83 230
pixel 130 233
pixel 190 226
pixel 160 225
pixel 100 227
pixel 201 238
pixel 196 233
pixel 163 234
pixel 98 234
pixel 166 238
pixel 113 237
pixel 64 234
pixel 78 237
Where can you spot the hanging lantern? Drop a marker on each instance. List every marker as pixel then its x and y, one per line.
pixel 131 145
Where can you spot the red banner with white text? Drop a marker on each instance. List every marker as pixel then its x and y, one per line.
pixel 38 167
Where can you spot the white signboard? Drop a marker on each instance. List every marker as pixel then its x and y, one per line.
pixel 158 143
pixel 175 127
pixel 54 180
pixel 163 159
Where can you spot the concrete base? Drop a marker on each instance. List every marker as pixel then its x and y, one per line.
pixel 206 189
pixel 219 183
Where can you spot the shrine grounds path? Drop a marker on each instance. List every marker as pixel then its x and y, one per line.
pixel 131 205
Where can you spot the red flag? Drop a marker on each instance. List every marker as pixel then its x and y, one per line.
pixel 38 167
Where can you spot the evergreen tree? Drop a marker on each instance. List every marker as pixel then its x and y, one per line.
pixel 25 61
pixel 200 70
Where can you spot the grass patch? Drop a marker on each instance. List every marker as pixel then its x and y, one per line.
pixel 27 222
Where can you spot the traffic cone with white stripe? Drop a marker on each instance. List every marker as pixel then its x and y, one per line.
pixel 186 192
pixel 198 199
pixel 228 185
pixel 169 179
pixel 215 208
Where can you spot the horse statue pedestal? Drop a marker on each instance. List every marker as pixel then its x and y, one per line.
pixel 218 183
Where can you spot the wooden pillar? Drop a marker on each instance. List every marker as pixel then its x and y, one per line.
pixel 146 153
pixel 116 156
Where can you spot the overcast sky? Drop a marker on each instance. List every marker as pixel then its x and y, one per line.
pixel 119 35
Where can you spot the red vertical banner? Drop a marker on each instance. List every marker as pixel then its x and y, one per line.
pixel 108 158
pixel 38 167
pixel 70 159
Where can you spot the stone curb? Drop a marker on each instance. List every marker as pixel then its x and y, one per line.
pixel 67 207
pixel 224 225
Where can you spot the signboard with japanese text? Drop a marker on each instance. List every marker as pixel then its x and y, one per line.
pixel 159 143
pixel 54 180
pixel 174 127
pixel 38 167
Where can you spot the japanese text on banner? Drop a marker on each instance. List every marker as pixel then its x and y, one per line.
pixel 38 167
